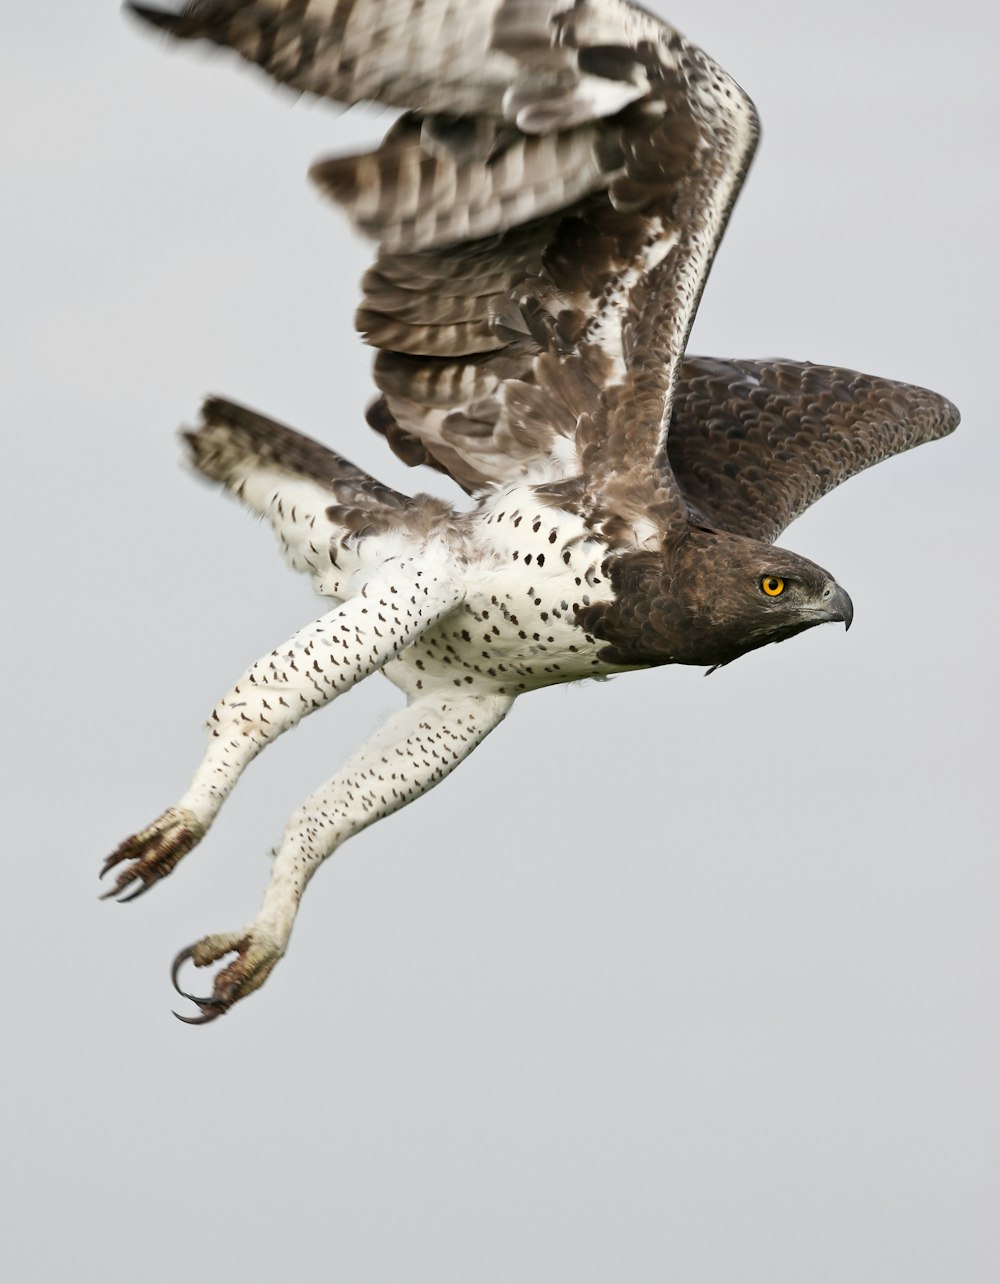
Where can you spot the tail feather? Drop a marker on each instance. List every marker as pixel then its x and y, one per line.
pixel 317 502
pixel 233 439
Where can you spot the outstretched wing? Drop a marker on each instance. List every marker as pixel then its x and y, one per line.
pixel 547 210
pixel 754 443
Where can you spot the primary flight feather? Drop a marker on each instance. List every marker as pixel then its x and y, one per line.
pixel 546 208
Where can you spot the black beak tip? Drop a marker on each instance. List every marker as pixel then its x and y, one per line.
pixel 845 608
pixel 838 604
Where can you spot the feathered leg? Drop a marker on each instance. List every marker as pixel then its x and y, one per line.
pixel 410 754
pixel 313 667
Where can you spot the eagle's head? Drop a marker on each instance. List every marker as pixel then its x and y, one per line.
pixel 710 599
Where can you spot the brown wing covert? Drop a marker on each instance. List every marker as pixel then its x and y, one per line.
pixel 754 443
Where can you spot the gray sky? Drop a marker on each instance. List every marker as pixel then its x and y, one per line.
pixel 674 979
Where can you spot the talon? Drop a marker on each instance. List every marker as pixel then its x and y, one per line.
pixel 132 896
pixel 153 852
pixel 211 1007
pixel 179 961
pixel 203 1019
pixel 256 956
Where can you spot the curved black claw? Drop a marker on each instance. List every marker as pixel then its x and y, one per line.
pixel 152 853
pixel 141 890
pixel 256 954
pixel 211 1007
pixel 204 1018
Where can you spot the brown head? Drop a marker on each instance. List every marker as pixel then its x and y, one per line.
pixel 710 599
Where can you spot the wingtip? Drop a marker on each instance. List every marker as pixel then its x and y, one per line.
pixel 941 416
pixel 951 416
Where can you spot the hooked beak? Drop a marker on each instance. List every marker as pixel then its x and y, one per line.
pixel 837 605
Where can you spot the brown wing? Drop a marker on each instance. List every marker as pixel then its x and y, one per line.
pixel 754 443
pixel 547 211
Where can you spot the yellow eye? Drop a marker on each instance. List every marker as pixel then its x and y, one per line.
pixel 773 585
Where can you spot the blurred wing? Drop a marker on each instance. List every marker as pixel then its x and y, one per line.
pixel 546 210
pixel 754 443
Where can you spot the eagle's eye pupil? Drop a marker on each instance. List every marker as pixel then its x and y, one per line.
pixel 773 585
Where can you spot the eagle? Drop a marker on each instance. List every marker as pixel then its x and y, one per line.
pixel 546 209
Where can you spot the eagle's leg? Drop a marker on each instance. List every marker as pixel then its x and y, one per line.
pixel 313 667
pixel 410 754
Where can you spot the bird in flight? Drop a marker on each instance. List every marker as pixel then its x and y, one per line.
pixel 546 209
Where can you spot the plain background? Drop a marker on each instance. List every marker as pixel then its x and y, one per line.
pixel 676 979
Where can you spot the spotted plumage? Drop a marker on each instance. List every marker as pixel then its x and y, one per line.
pixel 546 211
